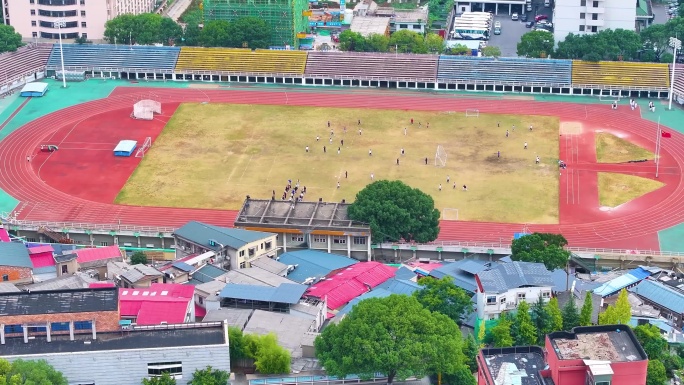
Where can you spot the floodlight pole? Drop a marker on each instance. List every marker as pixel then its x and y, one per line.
pixel 675 44
pixel 59 24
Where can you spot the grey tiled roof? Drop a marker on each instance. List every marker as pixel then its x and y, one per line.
pixel 506 276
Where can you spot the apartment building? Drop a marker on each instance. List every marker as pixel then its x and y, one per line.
pixel 36 19
pixel 591 16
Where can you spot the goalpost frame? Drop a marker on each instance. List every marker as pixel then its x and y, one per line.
pixel 472 113
pixel 140 153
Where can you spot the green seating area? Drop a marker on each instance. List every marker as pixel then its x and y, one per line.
pixel 241 60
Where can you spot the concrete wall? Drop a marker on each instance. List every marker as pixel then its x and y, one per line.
pixel 129 367
pixel 611 14
pixel 510 299
pixel 16 274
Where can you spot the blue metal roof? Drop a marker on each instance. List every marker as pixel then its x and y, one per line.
pixel 207 273
pixel 399 286
pixel 404 273
pixel 313 264
pixel 615 285
pixel 285 293
pixel 14 254
pixel 660 294
pixel 659 323
pixel 201 233
pixel 377 293
pixel 182 266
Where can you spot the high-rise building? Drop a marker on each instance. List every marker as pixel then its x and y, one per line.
pixel 35 19
pixel 287 18
pixel 590 16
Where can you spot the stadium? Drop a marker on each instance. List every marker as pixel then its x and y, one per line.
pixel 58 170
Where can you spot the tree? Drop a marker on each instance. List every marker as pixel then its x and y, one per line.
pixel 571 317
pixel 192 35
pixel 501 333
pixel 652 341
pixel 169 31
pixel 526 334
pixel 376 43
pixel 352 41
pixel 482 334
pixel 541 248
pixel 164 379
pixel 434 43
pixel 672 363
pixel 458 49
pixel 555 314
pixel 238 346
pixel 139 258
pixel 491 51
pixel 406 41
pixel 541 319
pixel 22 372
pixel 10 40
pixel 144 29
pixel 656 374
pixel 396 211
pixel 656 38
pixel 462 376
pixel 216 33
pixel 443 296
pixel 250 32
pixel 269 357
pixel 618 313
pixel 536 44
pixel 608 44
pixel 470 351
pixel 587 310
pixel 395 336
pixel 209 376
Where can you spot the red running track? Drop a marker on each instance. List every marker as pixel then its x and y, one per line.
pixel 633 227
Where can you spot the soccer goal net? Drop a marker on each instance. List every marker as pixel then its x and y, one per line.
pixel 440 157
pixel 450 214
pixel 140 153
pixel 472 113
pixel 145 109
pixel 610 97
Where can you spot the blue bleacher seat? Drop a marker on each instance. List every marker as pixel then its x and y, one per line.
pixel 487 69
pixel 125 57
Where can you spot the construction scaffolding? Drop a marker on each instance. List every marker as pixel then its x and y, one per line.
pixel 286 18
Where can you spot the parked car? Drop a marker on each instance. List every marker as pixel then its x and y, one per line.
pixel 514 16
pixel 529 24
pixel 540 17
pixel 497 24
pixel 497 30
pixel 523 17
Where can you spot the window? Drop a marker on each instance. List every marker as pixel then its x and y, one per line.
pixel 359 240
pixel 175 369
pixel 583 3
pixel 59 326
pixel 583 15
pixel 269 245
pixel 602 383
pixel 403 25
pixel 32 1
pixel 521 296
pixel 34 34
pixel 104 243
pixel 502 300
pixel 297 238
pixel 156 280
pixel 416 26
pixel 546 294
pixel 83 325
pixel 242 265
pixel 491 300
pixel 82 2
pixel 33 12
pixel 594 29
pixel 82 13
pixel 5 277
pixel 83 24
pixel 29 239
pixel 594 16
pixel 84 35
pixel 242 253
pixel 200 299
pixel 251 252
pixel 65 269
pixel 9 329
pixel 319 239
pixel 581 28
pixel 596 4
pixel 37 329
pixel 262 246
pixel 33 23
pixel 57 2
pixel 339 240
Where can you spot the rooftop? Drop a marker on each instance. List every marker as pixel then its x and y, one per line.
pixel 517 365
pixel 172 336
pixel 505 276
pixel 233 317
pixel 98 254
pixel 202 233
pixel 14 254
pixel 410 15
pixel 6 287
pixel 137 272
pixel 62 301
pixel 367 26
pixel 661 294
pixel 615 285
pixel 463 272
pixel 270 265
pixel 346 284
pixel 313 264
pixel 614 343
pixel 255 276
pixel 64 282
pixel 161 302
pixel 289 329
pixel 207 273
pixel 211 287
pixel 304 215
pixel 289 293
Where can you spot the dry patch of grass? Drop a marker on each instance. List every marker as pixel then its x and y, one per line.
pixel 611 149
pixel 617 189
pixel 213 155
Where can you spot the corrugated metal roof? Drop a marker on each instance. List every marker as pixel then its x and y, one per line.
pixel 208 273
pixel 201 233
pixel 4 235
pixel 377 293
pixel 615 285
pixel 182 266
pixel 154 313
pixel 660 294
pixel 44 259
pixel 349 283
pixel 506 276
pixel 285 293
pixel 270 265
pixel 398 286
pixel 138 272
pixel 40 249
pixel 98 254
pixel 314 263
pixel 14 254
pixel 404 273
pixel 460 271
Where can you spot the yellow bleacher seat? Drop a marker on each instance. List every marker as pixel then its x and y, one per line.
pixel 241 60
pixel 620 74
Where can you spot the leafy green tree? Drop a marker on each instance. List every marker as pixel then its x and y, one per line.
pixel 541 248
pixel 144 29
pixel 170 32
pixel 120 29
pixel 443 296
pixel 192 35
pixel 22 372
pixel 652 341
pixel 164 379
pixel 541 319
pixel 209 376
pixel 458 49
pixel 139 258
pixel 434 43
pixel 618 313
pixel 462 376
pixel 571 317
pixel 269 357
pixel 656 374
pixel 352 41
pixel 587 309
pixel 526 334
pixel 656 38
pixel 10 40
pixel 535 44
pixel 406 41
pixel 482 334
pixel 608 44
pixel 238 347
pixel 672 363
pixel 376 43
pixel 501 333
pixel 396 211
pixel 470 351
pixel 250 32
pixel 395 336
pixel 491 51
pixel 216 33
pixel 556 315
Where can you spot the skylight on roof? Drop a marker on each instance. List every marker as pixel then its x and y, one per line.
pixel 136 292
pixel 125 292
pixel 146 293
pixel 164 292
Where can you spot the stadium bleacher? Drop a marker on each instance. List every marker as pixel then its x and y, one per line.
pixel 627 74
pixel 373 65
pixel 23 62
pixel 83 56
pixel 241 60
pixel 679 80
pixel 504 69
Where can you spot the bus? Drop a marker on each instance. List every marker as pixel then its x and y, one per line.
pixel 473 25
pixel 476 18
pixel 471 33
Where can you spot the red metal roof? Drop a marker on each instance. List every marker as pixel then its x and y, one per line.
pixel 346 284
pixel 40 249
pixel 96 285
pixel 133 301
pixel 200 311
pixel 154 313
pixel 4 235
pixel 97 254
pixel 44 259
pixel 427 267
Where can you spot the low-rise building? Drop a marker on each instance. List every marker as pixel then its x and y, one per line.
pixel 310 266
pixel 78 280
pixel 43 261
pixel 233 248
pixel 15 263
pixel 272 266
pixel 502 287
pixel 269 298
pixel 368 25
pixel 125 358
pixel 414 20
pixel 94 258
pixel 159 304
pixel 521 365
pixel 668 299
pixel 462 272
pixel 134 276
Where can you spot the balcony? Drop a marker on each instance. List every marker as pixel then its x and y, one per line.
pixel 599 10
pixel 597 23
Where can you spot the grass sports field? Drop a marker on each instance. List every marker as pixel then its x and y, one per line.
pixel 213 155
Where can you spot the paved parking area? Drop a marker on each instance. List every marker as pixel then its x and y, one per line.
pixel 512 31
